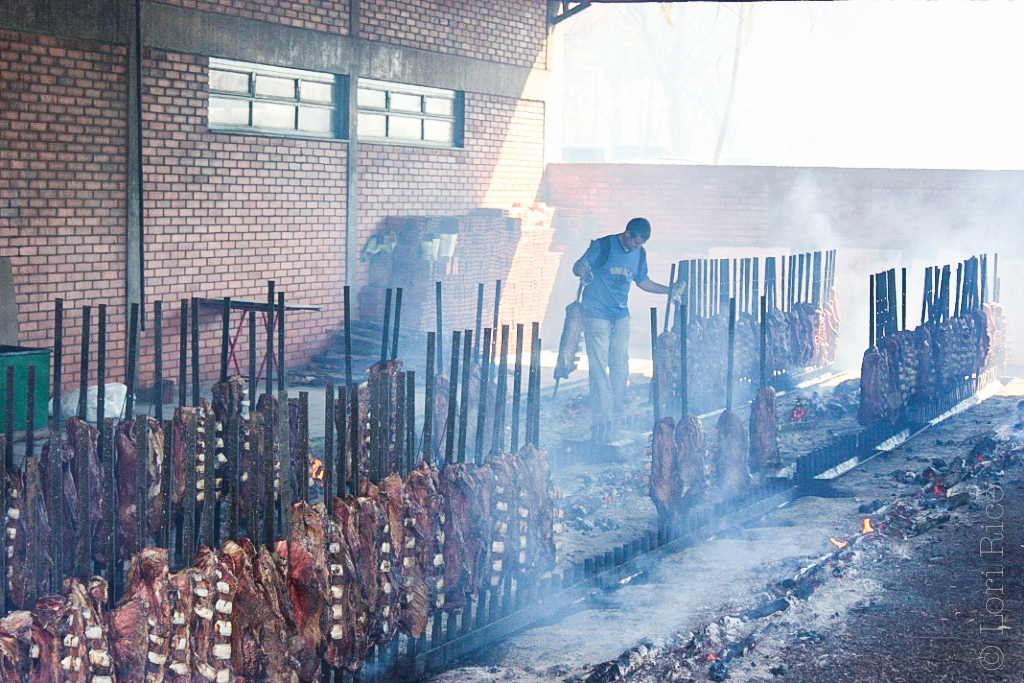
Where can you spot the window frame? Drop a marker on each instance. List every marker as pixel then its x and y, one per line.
pixel 337 107
pixel 456 119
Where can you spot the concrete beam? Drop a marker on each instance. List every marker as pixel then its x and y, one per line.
pixel 218 35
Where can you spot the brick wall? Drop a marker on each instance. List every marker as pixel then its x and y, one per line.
pixel 227 212
pixel 315 15
pixel 500 166
pixel 62 186
pixel 510 32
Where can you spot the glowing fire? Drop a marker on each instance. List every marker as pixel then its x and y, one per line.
pixel 867 529
pixel 316 469
pixel 798 413
pixel 838 544
pixel 711 657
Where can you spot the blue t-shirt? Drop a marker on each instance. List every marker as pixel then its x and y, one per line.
pixel 607 296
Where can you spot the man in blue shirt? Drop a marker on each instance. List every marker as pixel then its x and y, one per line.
pixel 608 268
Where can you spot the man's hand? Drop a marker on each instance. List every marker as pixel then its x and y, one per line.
pixel 584 272
pixel 676 292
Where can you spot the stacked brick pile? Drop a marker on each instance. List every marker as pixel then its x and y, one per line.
pixel 491 244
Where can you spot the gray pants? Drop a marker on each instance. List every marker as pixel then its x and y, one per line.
pixel 608 356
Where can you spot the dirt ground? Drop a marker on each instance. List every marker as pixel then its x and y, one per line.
pixel 907 603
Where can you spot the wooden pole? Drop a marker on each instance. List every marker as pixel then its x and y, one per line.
pixel 655 398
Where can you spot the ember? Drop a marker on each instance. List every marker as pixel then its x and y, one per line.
pixel 316 469
pixel 867 528
pixel 838 544
pixel 798 413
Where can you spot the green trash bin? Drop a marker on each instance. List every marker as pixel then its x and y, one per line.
pixel 21 359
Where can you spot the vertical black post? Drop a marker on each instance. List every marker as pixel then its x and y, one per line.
pixel 453 393
pixel 188 549
pixel 498 437
pixel 343 459
pixel 158 354
pixel 428 399
pixel 871 312
pixel 56 466
pixel 58 361
pixel 926 297
pixel 83 378
pixel 479 321
pixel 141 434
pixel 209 436
pixel 484 389
pixel 232 449
pixel 668 304
pixel 183 354
pixel 755 284
pixel 497 308
pixel 398 323
pixel 410 420
pixel 101 375
pixel 270 335
pixel 732 349
pixel 995 278
pixel 903 298
pixel 684 378
pixel 131 361
pixel 329 427
pixel 353 425
pixel 195 351
pixel 984 277
pixel 891 322
pixel 110 512
pixel 764 341
pixel 655 397
pixel 282 377
pixel 84 486
pixel 535 381
pixel 165 490
pixel 286 464
pixel 816 284
pixel 9 428
pixel 944 306
pixel 302 476
pixel 959 288
pixel 225 338
pixel 440 329
pixel 348 337
pixel 385 328
pixel 253 389
pixel 467 355
pixel 517 387
pixel 30 413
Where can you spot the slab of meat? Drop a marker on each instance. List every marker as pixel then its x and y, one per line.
pixel 691 443
pixel 422 558
pixel 94 488
pixel 343 590
pixel 261 631
pixel 140 623
pixel 45 651
pixel 666 483
pixel 466 491
pixel 764 431
pixel 180 599
pixel 370 590
pixel 505 471
pixel 535 514
pixel 733 451
pixel 569 343
pixel 304 559
pixel 15 646
pixel 213 589
pixel 126 454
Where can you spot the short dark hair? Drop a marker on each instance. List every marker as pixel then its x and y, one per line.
pixel 639 227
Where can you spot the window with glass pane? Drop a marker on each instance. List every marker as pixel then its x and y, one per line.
pixel 274 100
pixel 409 113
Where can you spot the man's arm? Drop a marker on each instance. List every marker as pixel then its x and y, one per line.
pixel 653 287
